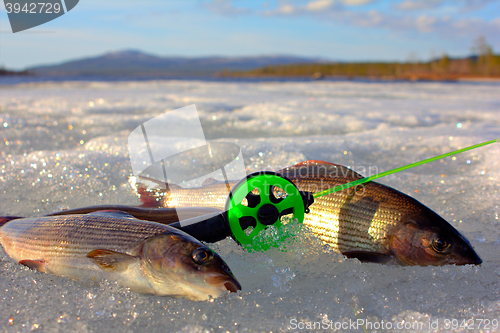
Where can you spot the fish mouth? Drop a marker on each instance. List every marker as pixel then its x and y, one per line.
pixel 226 282
pixel 469 258
pixel 474 257
pixel 232 286
pixel 464 253
pixel 477 261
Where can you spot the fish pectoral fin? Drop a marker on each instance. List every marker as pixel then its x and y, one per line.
pixel 111 260
pixel 38 265
pixel 367 256
pixel 112 213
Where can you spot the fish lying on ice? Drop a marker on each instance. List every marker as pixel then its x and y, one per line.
pixel 374 223
pixel 147 257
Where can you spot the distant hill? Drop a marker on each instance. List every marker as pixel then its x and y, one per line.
pixel 138 64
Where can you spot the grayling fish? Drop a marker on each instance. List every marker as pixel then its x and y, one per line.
pixel 147 257
pixel 372 222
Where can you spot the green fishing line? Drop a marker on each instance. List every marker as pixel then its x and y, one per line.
pixel 408 166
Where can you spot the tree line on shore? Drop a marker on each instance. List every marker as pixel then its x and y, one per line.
pixel 485 64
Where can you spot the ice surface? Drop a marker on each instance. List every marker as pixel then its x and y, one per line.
pixel 64 146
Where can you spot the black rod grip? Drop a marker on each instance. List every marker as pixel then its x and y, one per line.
pixel 208 228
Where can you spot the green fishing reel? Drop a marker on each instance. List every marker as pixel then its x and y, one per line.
pixel 261 200
pixel 256 202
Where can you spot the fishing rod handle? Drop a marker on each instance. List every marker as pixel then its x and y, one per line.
pixel 209 228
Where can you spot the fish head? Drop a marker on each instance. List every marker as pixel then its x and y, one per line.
pixel 427 239
pixel 179 265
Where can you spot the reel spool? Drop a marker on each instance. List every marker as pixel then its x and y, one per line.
pixel 259 201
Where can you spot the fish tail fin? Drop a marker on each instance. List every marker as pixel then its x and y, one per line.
pixel 5 219
pixel 152 193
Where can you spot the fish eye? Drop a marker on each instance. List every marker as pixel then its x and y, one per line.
pixel 202 255
pixel 440 244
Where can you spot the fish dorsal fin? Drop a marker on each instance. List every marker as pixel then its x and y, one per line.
pixel 112 213
pixel 111 260
pixel 150 191
pixel 209 181
pixel 319 169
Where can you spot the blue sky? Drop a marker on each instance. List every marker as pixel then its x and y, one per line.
pixel 347 30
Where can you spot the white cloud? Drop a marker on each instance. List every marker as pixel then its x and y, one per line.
pixel 282 10
pixel 462 5
pixel 441 18
pixel 356 2
pixel 286 9
pixel 417 5
pixel 425 23
pixel 319 5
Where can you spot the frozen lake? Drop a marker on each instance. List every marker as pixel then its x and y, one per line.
pixel 64 145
